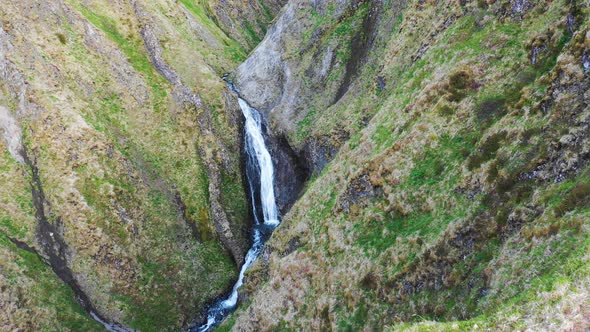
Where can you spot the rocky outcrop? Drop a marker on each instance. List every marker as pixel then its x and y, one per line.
pixel 235 242
pixel 291 173
pixel 323 46
pixel 264 76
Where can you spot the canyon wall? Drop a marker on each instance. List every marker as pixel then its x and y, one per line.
pixel 431 161
pixel 121 187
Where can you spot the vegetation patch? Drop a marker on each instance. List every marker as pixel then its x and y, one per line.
pixel 487 150
pixel 577 197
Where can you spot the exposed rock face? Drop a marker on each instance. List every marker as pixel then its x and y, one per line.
pixel 453 138
pixel 284 72
pixel 262 78
pixel 11 134
pixel 302 54
pixel 290 172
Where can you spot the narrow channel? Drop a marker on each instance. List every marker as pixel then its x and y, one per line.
pixel 260 175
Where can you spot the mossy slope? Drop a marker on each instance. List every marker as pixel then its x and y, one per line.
pixel 129 162
pixel 458 198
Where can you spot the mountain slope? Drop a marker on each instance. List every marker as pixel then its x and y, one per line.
pixel 121 178
pixel 449 143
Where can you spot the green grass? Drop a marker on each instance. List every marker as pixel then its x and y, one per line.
pixel 439 161
pixel 133 48
pixel 355 322
pixel 18 195
pixel 234 198
pixel 227 324
pixel 232 49
pixel 375 236
pixel 253 37
pixel 305 126
pixel 383 135
pixel 13 228
pixel 44 290
pixel 577 197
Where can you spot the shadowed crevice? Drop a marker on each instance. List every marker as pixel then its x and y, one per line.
pixel 360 47
pixel 54 250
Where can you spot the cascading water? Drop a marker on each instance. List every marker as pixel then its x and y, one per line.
pixel 256 150
pixel 260 174
pixel 111 327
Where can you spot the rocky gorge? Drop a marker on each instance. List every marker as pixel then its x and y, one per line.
pixel 430 164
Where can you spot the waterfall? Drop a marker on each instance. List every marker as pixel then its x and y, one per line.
pixel 257 150
pixel 260 175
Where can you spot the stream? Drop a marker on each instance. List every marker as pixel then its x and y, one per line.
pixel 260 175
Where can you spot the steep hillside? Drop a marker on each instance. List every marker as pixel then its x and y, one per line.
pixel 431 160
pixel 121 188
pixel 245 21
pixel 449 147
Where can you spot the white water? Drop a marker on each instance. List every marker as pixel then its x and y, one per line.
pixel 259 156
pixel 111 327
pixel 255 145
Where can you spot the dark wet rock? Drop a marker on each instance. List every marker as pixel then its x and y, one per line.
pixel 571 23
pixel 517 219
pixel 21 245
pixel 294 244
pixel 290 172
pixel 471 191
pixel 318 152
pixel 420 52
pixel 358 193
pixel 381 83
pixel 361 46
